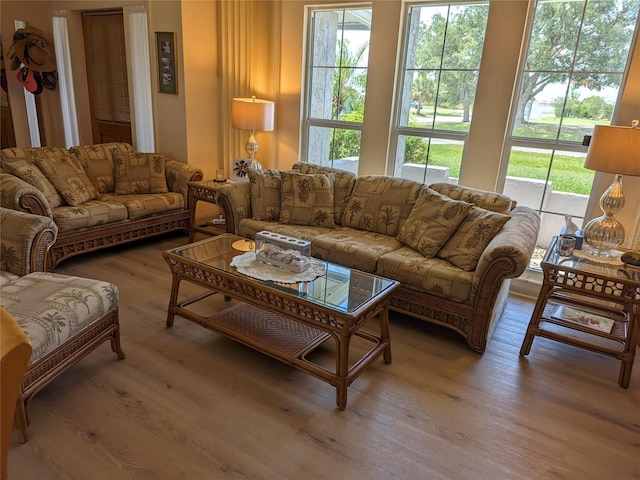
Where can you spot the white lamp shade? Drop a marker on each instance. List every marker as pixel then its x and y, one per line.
pixel 252 114
pixel 614 149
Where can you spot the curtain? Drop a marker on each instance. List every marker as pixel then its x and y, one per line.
pixel 65 78
pixel 247 66
pixel 140 67
pixel 30 104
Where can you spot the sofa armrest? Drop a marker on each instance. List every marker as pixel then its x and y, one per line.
pixel 17 194
pixel 515 243
pixel 179 174
pixel 25 241
pixel 235 201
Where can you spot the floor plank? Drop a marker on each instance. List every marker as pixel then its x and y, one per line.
pixel 187 403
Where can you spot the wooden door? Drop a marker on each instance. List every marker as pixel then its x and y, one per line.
pixel 107 74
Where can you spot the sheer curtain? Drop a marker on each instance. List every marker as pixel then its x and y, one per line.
pixel 30 104
pixel 65 78
pixel 139 64
pixel 247 67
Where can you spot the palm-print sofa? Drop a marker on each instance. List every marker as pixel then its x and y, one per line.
pixel 453 249
pixel 98 195
pixel 65 317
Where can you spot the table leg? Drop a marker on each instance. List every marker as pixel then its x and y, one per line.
pixel 192 214
pixel 384 334
pixel 532 328
pixel 342 370
pixel 171 311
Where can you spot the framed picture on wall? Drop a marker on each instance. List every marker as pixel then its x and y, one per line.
pixel 167 68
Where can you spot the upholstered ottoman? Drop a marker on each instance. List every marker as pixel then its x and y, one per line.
pixel 65 317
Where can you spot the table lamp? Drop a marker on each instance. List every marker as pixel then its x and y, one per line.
pixel 613 149
pixel 254 115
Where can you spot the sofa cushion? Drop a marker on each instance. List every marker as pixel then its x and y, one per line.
pixel 496 202
pixel 434 275
pixel 248 227
pixel 380 204
pixel 51 308
pixel 432 221
pixel 144 205
pixel 30 173
pixel 343 185
pixel 473 235
pixel 98 162
pixel 307 199
pixel 137 173
pixel 265 194
pixel 89 214
pixel 69 178
pixel 353 248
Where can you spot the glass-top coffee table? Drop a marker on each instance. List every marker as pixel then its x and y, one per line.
pixel 287 321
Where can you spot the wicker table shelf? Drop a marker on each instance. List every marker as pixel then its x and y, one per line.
pixel 603 293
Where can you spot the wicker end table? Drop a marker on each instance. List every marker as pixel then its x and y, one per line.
pixel 287 321
pixel 589 303
pixel 204 191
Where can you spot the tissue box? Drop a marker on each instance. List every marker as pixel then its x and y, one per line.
pixel 579 236
pixel 289 253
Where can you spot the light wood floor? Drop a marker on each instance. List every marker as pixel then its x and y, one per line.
pixel 187 403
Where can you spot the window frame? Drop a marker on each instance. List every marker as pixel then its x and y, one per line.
pixel 309 122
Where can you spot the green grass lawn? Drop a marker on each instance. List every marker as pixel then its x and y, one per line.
pixel 567 173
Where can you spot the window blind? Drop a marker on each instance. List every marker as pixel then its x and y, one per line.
pixel 106 61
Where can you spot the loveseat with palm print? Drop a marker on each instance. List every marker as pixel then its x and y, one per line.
pixel 97 195
pixel 453 249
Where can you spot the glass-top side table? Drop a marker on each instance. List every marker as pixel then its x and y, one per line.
pixel 589 303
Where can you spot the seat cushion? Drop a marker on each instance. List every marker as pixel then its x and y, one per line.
pixel 432 275
pixel 307 199
pixel 145 205
pixel 248 228
pixel 52 308
pixel 89 214
pixel 353 248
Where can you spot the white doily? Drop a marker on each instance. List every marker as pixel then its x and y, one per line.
pixel 247 265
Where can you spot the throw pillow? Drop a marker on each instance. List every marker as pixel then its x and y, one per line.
pixel 471 238
pixel 432 221
pixel 30 173
pixel 97 161
pixel 342 189
pixel 307 199
pixel 138 172
pixel 265 188
pixel 69 178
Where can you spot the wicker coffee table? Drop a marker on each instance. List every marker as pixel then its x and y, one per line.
pixel 287 321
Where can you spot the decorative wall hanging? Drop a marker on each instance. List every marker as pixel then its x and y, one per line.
pixel 167 68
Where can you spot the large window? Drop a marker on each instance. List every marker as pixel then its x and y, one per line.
pixel 577 54
pixel 442 52
pixel 336 82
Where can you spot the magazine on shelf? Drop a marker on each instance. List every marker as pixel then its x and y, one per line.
pixel 589 320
